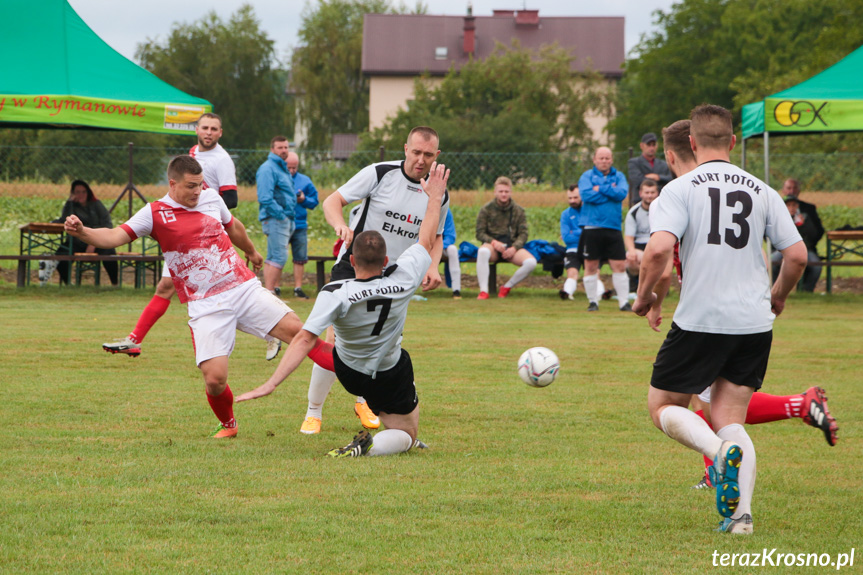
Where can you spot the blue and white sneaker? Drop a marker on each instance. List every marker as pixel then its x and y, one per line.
pixel 739 526
pixel 723 474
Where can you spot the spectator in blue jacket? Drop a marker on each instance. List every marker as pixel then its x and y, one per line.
pixel 603 190
pixel 451 249
pixel 278 203
pixel 570 233
pixel 307 199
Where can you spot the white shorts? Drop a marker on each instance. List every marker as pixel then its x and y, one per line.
pixel 705 395
pixel 249 307
pixel 166 273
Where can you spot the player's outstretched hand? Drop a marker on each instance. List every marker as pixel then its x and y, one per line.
pixel 261 391
pixel 435 183
pixel 73 225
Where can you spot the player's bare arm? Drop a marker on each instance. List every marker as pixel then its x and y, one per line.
pixel 332 208
pixel 653 265
pixel 432 279
pixel 300 347
pixel 434 185
pixel 794 260
pixel 237 232
pixel 99 237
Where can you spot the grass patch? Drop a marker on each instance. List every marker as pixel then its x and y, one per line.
pixel 108 468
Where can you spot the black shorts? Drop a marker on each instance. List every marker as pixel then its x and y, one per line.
pixel 689 361
pixel 640 246
pixel 601 244
pixel 343 270
pixel 572 260
pixel 392 391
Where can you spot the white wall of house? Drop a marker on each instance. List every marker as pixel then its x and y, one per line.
pixel 388 94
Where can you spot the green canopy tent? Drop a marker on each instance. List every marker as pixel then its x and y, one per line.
pixel 831 101
pixel 56 72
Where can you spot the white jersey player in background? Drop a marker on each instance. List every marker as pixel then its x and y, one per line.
pixel 393 204
pixel 220 175
pixel 368 314
pixel 722 329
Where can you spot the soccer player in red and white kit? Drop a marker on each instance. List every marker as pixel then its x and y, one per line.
pixel 195 231
pixel 220 175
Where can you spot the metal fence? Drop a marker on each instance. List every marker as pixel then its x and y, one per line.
pixel 46 171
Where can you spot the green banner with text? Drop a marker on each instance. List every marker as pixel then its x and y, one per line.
pixel 101 113
pixel 810 115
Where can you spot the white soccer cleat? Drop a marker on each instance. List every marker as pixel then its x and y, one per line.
pixel 125 345
pixel 274 346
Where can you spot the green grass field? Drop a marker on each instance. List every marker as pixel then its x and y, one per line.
pixel 107 467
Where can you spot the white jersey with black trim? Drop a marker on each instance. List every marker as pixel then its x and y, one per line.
pixel 368 315
pixel 637 224
pixel 393 204
pixel 220 173
pixel 721 214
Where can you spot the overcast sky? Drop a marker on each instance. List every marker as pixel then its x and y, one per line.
pixel 123 25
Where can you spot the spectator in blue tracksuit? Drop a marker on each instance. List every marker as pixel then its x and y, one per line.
pixel 603 190
pixel 451 250
pixel 307 199
pixel 277 203
pixel 570 233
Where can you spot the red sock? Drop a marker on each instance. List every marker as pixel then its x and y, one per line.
pixel 223 406
pixel 151 314
pixel 764 407
pixel 707 461
pixel 322 354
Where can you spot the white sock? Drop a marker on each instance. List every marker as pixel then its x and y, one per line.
pixel 319 387
pixel 686 428
pixel 454 267
pixel 482 257
pixel 390 442
pixel 570 285
pixel 746 474
pixel 361 399
pixel 522 272
pixel 590 288
pixel 600 288
pixel 621 287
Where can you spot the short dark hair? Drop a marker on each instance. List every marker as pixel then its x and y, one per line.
pixel 711 126
pixel 572 187
pixel 370 250
pixel 426 132
pixel 212 116
pixel 277 139
pixel 648 183
pixel 676 138
pixel 182 165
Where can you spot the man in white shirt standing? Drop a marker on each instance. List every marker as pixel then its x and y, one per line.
pixel 368 314
pixel 722 329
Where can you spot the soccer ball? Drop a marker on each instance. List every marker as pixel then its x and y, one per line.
pixel 538 366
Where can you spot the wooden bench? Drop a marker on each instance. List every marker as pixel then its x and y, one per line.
pixel 319 268
pixel 24 260
pixel 492 271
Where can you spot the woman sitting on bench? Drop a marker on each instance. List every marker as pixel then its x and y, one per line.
pixel 93 214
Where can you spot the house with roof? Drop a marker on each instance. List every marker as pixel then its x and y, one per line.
pixel 397 48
